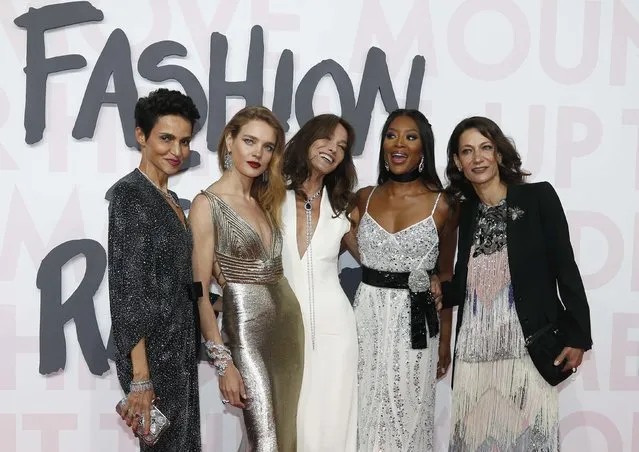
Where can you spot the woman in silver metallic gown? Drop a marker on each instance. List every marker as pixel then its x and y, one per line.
pixel 153 311
pixel 259 355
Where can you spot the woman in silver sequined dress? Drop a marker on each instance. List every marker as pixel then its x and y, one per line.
pixel 153 311
pixel 514 256
pixel 404 232
pixel 259 355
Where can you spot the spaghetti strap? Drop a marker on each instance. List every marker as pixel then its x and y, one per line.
pixel 369 198
pixel 435 206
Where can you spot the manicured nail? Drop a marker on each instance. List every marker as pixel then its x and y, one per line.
pixel 556 363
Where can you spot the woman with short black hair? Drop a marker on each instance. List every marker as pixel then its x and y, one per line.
pixel 151 290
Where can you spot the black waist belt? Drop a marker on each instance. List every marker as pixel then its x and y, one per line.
pixel 423 312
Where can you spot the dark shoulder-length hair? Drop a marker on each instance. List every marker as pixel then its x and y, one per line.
pixel 429 175
pixel 296 169
pixel 510 171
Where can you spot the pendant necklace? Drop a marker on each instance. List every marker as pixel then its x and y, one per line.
pixel 308 209
pixel 165 194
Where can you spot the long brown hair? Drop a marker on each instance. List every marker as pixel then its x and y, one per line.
pixel 270 193
pixel 341 181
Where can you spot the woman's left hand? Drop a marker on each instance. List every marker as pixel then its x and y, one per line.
pixel 436 290
pixel 444 359
pixel 573 357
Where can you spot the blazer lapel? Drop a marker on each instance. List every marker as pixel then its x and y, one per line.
pixel 515 234
pixel 468 224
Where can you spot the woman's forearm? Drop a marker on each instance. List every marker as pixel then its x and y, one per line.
pixel 208 321
pixel 446 325
pixel 139 362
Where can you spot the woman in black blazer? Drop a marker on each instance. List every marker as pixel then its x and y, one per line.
pixel 514 255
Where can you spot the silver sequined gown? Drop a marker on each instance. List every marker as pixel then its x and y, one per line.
pixel 500 401
pixel 262 325
pixel 396 382
pixel 149 269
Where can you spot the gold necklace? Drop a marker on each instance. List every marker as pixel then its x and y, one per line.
pixel 168 196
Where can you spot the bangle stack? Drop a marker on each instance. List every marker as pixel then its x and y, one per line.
pixel 219 355
pixel 141 386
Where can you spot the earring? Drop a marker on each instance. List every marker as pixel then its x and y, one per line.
pixel 459 168
pixel 420 168
pixel 228 161
pixel 386 166
pixel 265 177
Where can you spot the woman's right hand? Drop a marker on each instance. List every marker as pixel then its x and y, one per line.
pixel 232 386
pixel 138 405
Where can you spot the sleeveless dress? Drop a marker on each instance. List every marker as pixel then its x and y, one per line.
pixel 327 413
pixel 262 325
pixel 500 401
pixel 396 382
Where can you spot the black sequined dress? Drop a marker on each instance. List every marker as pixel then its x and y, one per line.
pixel 149 271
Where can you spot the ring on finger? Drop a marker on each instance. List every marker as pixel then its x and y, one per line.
pixel 224 401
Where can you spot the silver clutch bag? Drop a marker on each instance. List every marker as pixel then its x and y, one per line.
pixel 159 423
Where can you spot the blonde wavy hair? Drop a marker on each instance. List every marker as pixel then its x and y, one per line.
pixel 271 193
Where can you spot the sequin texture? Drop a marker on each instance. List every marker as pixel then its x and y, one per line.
pixel 396 382
pixel 262 325
pixel 149 270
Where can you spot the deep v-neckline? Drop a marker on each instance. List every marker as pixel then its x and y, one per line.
pixel 319 218
pixel 257 235
pixel 185 223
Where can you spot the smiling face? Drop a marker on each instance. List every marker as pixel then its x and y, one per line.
pixel 252 149
pixel 168 144
pixel 477 158
pixel 402 145
pixel 325 154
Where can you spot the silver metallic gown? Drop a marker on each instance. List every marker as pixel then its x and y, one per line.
pixel 149 270
pixel 262 325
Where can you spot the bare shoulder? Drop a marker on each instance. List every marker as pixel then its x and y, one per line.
pixel 363 193
pixel 445 211
pixel 443 203
pixel 200 211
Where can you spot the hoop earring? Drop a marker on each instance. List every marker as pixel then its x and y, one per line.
pixel 420 168
pixel 386 166
pixel 228 161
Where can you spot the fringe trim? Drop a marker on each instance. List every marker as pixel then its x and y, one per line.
pixel 490 328
pixel 500 400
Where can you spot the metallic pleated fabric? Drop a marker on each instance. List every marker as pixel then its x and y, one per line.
pixel 262 325
pixel 149 270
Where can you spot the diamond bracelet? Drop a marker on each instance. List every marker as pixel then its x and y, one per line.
pixel 141 386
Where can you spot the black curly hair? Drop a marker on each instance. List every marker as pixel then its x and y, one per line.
pixel 163 102
pixel 510 171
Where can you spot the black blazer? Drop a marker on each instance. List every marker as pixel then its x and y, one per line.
pixel 540 258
